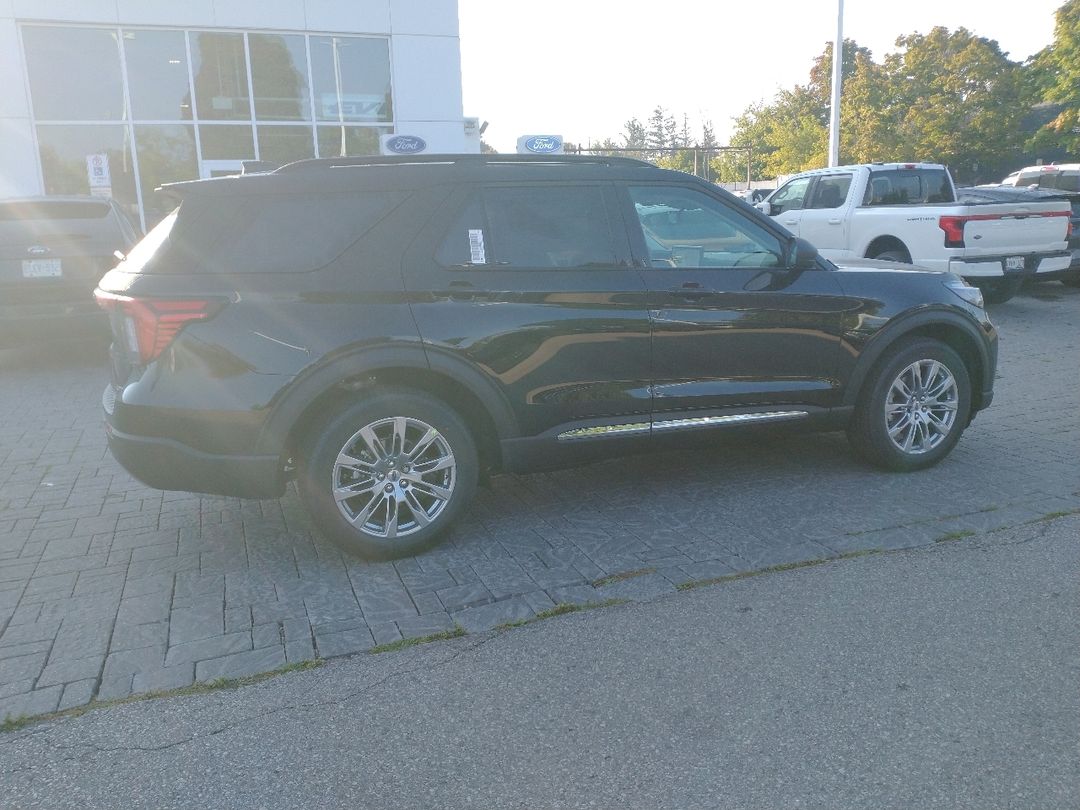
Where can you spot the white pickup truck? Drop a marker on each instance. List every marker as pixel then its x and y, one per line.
pixel 907 212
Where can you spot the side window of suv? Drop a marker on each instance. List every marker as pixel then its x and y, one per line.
pixel 533 226
pixel 684 227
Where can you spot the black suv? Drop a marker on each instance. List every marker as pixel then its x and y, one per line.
pixel 388 330
pixel 53 251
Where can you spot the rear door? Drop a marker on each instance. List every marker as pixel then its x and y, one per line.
pixel 533 285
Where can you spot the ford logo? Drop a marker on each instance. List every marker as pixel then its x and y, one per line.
pixel 406 145
pixel 37 250
pixel 544 144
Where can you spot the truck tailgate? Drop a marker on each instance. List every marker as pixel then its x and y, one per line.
pixel 1010 228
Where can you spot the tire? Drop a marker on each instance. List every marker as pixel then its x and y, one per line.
pixel 998 290
pixel 893 256
pixel 883 422
pixel 397 510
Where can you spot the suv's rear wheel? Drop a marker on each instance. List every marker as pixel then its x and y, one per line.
pixel 914 407
pixel 388 474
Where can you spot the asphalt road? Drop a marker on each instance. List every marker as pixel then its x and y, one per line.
pixel 940 677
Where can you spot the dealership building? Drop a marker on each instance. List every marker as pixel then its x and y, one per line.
pixel 115 97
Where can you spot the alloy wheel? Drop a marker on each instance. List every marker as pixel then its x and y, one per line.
pixel 921 407
pixel 394 477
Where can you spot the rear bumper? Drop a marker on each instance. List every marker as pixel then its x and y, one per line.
pixel 1035 264
pixel 168 464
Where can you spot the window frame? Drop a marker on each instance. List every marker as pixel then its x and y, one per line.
pixel 774 211
pixel 471 193
pixel 636 233
pixel 812 192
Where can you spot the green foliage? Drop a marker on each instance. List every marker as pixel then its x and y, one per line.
pixel 1056 78
pixel 959 100
pixel 950 97
pixel 946 96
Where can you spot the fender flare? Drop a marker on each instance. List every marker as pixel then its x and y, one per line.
pixel 886 338
pixel 312 384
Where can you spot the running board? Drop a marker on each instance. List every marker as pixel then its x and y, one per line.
pixel 638 428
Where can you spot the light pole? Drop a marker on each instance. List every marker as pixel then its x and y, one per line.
pixel 837 65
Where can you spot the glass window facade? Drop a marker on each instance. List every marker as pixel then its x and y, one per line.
pixel 120 111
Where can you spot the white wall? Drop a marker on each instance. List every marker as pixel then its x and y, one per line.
pixel 424 44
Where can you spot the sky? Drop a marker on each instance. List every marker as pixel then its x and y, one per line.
pixel 582 68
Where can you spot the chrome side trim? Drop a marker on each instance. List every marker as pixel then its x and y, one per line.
pixel 604 430
pixel 600 431
pixel 732 419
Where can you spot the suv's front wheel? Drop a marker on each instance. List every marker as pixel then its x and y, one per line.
pixel 388 474
pixel 914 407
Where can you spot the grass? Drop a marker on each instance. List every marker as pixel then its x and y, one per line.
pixel 774 569
pixel 957 535
pixel 16 723
pixel 560 609
pixel 622 576
pixel 1055 515
pixel 403 643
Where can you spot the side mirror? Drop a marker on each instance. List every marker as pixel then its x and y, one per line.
pixel 803 255
pixel 765 208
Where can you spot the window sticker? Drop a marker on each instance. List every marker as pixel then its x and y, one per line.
pixel 477 255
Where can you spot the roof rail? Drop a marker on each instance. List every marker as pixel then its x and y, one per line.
pixel 314 164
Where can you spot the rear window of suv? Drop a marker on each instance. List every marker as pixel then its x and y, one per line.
pixel 51 221
pixel 291 233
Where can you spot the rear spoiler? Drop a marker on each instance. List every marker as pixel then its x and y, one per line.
pixel 182 188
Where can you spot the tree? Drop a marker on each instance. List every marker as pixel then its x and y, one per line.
pixel 658 135
pixel 961 102
pixel 1056 79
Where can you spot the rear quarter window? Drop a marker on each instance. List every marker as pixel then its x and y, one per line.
pixel 291 233
pixel 908 187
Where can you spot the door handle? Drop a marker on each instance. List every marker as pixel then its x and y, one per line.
pixel 691 291
pixel 791 222
pixel 835 221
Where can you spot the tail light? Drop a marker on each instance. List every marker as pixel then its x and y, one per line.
pixel 151 324
pixel 954 230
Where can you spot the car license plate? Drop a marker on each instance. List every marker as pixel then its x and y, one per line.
pixel 1014 263
pixel 41 268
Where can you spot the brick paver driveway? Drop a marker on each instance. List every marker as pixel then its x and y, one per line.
pixel 109 588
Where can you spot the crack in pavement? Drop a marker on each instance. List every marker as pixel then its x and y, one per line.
pixel 93 749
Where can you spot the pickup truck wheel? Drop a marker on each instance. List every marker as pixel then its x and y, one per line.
pixel 388 474
pixel 913 408
pixel 893 256
pixel 998 290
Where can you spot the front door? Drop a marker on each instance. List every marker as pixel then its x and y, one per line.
pixel 533 285
pixel 786 203
pixel 733 326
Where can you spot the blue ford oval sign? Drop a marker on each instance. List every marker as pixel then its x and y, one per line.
pixel 544 144
pixel 405 145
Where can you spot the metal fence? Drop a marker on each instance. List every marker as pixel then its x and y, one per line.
pixel 702 155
